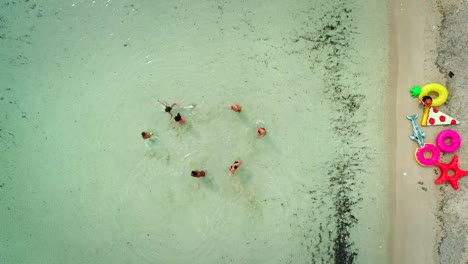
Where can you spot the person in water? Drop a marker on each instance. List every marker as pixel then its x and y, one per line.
pixel 198 174
pixel 178 118
pixel 426 101
pixel 236 108
pixel 168 108
pixel 234 167
pixel 261 132
pixel 146 135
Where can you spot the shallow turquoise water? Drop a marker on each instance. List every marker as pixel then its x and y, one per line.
pixel 80 82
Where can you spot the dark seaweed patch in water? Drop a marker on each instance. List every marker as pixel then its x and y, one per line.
pixel 335 38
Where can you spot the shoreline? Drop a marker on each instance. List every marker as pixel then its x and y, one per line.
pixel 414 39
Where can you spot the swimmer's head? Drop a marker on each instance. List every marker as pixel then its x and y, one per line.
pixel 146 135
pixel 261 132
pixel 168 109
pixel 234 167
pixel 236 108
pixel 194 173
pixel 178 117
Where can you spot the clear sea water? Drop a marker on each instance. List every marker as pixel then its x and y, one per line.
pixel 79 81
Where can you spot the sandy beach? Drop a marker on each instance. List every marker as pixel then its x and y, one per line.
pixel 415 225
pixel 420 213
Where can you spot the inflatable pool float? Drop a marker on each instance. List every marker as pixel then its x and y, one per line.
pixel 418 135
pixel 444 172
pixel 434 88
pixel 433 117
pixel 428 147
pixel 454 141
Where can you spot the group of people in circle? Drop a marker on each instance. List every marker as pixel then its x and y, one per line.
pixel 261 132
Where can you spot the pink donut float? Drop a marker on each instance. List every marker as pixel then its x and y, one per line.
pixel 428 147
pixel 454 141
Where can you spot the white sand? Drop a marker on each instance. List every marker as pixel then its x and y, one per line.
pixel 415 225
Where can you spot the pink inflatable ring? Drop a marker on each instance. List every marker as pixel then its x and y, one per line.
pixel 428 147
pixel 454 141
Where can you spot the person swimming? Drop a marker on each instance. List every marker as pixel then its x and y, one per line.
pixel 261 132
pixel 236 108
pixel 198 174
pixel 168 108
pixel 178 118
pixel 234 167
pixel 146 135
